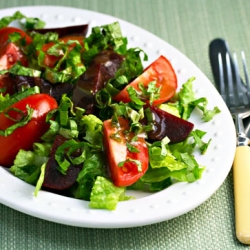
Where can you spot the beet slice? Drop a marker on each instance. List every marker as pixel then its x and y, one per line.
pixel 166 124
pixel 55 180
pixel 55 90
pixel 8 84
pixel 76 30
pixel 103 68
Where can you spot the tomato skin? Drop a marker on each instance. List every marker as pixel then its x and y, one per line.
pixel 160 71
pixel 68 38
pixel 9 55
pixel 6 31
pixel 24 137
pixel 51 60
pixel 117 152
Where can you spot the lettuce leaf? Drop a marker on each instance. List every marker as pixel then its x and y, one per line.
pixel 172 163
pixel 186 102
pixel 94 166
pixel 27 164
pixel 93 127
pixel 105 195
pixel 102 38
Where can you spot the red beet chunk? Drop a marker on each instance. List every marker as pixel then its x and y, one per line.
pixel 17 83
pixel 103 68
pixel 55 180
pixel 7 83
pixel 166 124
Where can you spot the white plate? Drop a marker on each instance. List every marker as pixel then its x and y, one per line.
pixel 147 208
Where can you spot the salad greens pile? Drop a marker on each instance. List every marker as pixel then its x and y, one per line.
pixel 168 163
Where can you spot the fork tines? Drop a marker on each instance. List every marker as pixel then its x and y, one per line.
pixel 233 90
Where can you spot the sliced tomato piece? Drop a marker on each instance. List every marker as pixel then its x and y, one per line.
pixel 9 55
pixel 160 71
pixel 6 31
pixel 76 38
pixel 135 161
pixel 23 137
pixel 51 60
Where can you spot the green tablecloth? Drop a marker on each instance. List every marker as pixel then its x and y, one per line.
pixel 188 25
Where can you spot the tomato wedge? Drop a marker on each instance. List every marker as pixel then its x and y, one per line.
pixel 24 137
pixel 135 162
pixel 51 60
pixel 6 31
pixel 10 53
pixel 160 71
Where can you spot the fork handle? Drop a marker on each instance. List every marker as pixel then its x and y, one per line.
pixel 241 175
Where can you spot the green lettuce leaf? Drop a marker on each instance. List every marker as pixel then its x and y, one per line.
pixel 93 127
pixel 102 38
pixel 105 195
pixel 187 102
pixel 93 167
pixel 40 180
pixel 27 164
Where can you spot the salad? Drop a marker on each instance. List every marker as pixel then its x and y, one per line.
pixel 81 117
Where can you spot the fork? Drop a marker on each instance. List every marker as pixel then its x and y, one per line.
pixel 237 99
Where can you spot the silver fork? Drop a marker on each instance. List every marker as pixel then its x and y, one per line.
pixel 236 95
pixel 237 98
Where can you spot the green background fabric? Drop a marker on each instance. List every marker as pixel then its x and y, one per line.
pixel 189 25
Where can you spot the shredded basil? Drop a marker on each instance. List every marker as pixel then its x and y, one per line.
pixel 66 149
pixel 132 148
pixel 25 118
pixel 23 71
pixel 138 163
pixel 27 22
pixel 7 101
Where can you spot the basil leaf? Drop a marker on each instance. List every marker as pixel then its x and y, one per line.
pixel 23 71
pixel 7 101
pixel 29 23
pixel 25 118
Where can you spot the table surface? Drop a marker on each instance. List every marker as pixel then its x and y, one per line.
pixel 189 26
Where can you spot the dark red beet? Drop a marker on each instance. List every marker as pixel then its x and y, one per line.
pixel 55 90
pixel 103 68
pixel 55 180
pixel 77 30
pixel 166 124
pixel 7 83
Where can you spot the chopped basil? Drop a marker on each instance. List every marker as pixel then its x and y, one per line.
pixel 132 148
pixel 138 163
pixel 23 71
pixel 67 149
pixel 7 101
pixel 27 22
pixel 25 118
